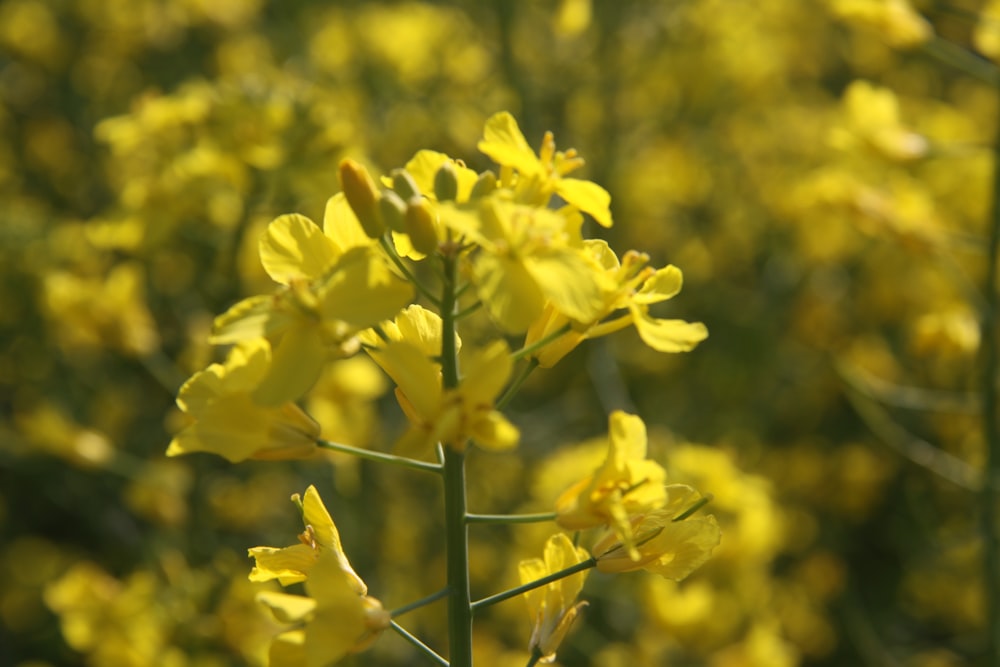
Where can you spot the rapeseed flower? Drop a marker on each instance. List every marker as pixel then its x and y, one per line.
pixel 331 290
pixel 449 416
pixel 543 175
pixel 553 607
pixel 293 564
pixel 227 420
pixel 629 285
pixel 332 621
pixel 625 485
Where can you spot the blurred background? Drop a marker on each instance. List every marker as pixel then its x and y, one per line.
pixel 820 171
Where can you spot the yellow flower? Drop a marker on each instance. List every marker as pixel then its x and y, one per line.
pixel 293 564
pixel 453 416
pixel 334 619
pixel 543 175
pixel 528 256
pixel 672 549
pixel 629 285
pixel 227 420
pixel 553 607
pixel 330 292
pixel 626 484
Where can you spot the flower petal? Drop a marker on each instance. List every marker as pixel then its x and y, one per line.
pixel 293 246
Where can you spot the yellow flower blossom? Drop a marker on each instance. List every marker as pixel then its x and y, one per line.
pixel 335 619
pixel 229 423
pixel 454 416
pixel 672 549
pixel 543 175
pixel 293 564
pixel 528 256
pixel 630 286
pixel 896 20
pixel 553 607
pixel 626 484
pixel 330 292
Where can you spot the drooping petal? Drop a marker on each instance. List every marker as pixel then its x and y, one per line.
pixel 668 335
pixel 587 196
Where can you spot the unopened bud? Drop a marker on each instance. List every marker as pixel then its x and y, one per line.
pixel 404 185
pixel 485 184
pixel 359 189
pixel 392 208
pixel 446 182
pixel 420 225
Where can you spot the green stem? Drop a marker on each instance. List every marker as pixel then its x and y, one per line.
pixel 424 648
pixel 541 342
pixel 515 386
pixel 953 55
pixel 548 579
pixel 379 456
pixel 990 495
pixel 417 604
pixel 456 530
pixel 536 655
pixel 398 262
pixel 465 312
pixel 510 518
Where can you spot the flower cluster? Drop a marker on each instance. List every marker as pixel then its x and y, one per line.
pixel 398 263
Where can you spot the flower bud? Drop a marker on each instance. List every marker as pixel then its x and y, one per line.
pixel 392 208
pixel 485 184
pixel 359 189
pixel 420 225
pixel 446 182
pixel 404 185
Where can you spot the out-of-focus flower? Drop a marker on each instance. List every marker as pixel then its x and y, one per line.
pixel 553 607
pixel 228 422
pixel 631 286
pixel 626 484
pixel 293 564
pixel 872 120
pixel 896 20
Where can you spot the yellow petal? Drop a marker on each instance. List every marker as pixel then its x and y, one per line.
pixel 253 317
pixel 342 227
pixel 686 545
pixel 668 335
pixel 288 565
pixel 662 285
pixel 285 607
pixel 416 376
pixel 424 166
pixel 570 281
pixel 296 365
pixel 589 197
pixel 493 432
pixel 315 514
pixel 505 144
pixel 295 247
pixel 362 291
pixel 510 292
pixel 288 650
